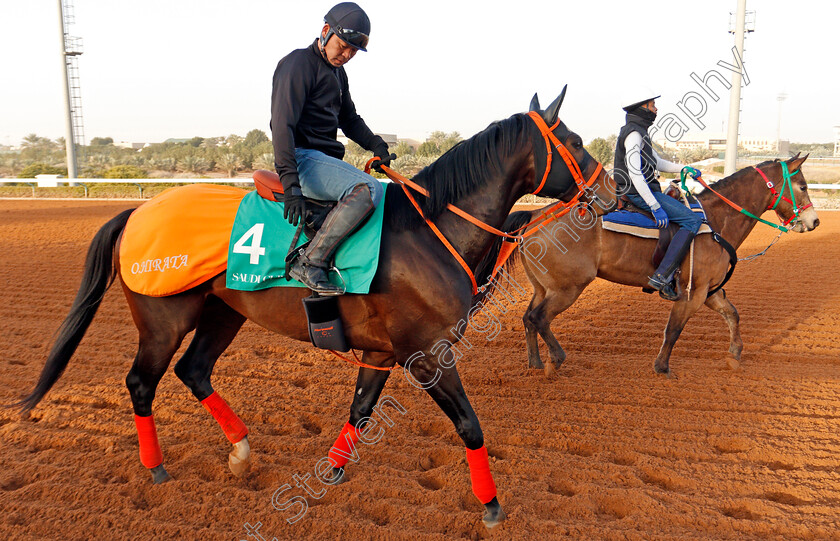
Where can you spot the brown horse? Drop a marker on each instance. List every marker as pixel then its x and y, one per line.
pixel 560 276
pixel 418 295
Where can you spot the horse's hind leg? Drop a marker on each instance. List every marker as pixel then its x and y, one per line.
pixel 531 339
pixel 720 304
pixel 369 385
pixel 540 317
pixel 681 312
pixel 216 329
pixel 445 388
pixel 162 323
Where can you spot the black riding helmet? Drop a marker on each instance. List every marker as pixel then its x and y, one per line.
pixel 350 23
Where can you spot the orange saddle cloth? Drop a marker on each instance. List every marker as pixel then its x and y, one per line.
pixel 178 239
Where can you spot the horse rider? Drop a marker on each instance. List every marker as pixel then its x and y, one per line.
pixel 636 165
pixel 310 100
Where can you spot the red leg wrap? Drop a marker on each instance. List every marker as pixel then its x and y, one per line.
pixel 232 425
pixel 482 481
pixel 341 450
pixel 150 454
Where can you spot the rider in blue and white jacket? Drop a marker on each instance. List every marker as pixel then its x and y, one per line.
pixel 636 165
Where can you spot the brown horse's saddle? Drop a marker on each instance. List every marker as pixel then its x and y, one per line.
pixel 629 219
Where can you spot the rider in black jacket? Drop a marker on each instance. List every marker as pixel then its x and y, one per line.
pixel 310 100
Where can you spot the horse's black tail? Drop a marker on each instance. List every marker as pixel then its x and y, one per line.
pixel 485 269
pixel 98 276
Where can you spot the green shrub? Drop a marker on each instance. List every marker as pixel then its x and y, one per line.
pixel 718 169
pixel 124 171
pixel 38 168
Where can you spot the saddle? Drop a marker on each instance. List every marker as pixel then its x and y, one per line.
pixel 665 235
pixel 269 187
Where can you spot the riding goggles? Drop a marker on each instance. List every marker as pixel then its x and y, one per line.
pixel 354 38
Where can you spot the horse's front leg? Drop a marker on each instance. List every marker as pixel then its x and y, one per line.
pixel 445 388
pixel 369 385
pixel 681 312
pixel 720 304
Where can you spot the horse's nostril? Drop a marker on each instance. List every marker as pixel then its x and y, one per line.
pixel 816 223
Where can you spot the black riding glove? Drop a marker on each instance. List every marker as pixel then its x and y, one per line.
pixel 384 158
pixel 294 205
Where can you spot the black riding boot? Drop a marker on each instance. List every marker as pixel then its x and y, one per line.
pixel 311 266
pixel 663 279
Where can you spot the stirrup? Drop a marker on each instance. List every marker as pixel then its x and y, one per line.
pixel 299 271
pixel 667 290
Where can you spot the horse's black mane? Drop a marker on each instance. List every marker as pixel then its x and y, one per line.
pixel 734 177
pixel 456 174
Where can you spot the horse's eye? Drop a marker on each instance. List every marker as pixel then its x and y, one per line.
pixel 803 187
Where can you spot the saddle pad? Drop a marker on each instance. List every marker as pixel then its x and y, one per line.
pixel 640 225
pixel 261 237
pixel 178 239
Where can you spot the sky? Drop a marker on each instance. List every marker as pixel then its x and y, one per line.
pixel 157 69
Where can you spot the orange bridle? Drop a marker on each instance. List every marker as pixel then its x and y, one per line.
pixel 584 187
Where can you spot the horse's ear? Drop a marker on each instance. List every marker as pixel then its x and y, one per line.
pixel 550 115
pixel 796 162
pixel 535 104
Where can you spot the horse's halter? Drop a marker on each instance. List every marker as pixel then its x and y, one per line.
pixel 584 186
pixel 787 182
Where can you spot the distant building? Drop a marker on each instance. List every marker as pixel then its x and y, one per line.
pixel 134 146
pixel 390 138
pixel 718 143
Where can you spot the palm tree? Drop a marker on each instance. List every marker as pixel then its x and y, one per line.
pixel 229 163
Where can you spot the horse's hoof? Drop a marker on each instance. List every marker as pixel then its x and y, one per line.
pixel 535 363
pixel 493 514
pixel 733 364
pixel 663 371
pixel 240 458
pixel 159 475
pixel 339 475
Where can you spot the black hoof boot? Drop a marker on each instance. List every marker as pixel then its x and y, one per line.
pixel 159 475
pixel 493 514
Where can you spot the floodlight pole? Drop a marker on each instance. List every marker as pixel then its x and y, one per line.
pixel 735 94
pixel 70 140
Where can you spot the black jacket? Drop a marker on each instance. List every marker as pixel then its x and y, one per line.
pixel 310 100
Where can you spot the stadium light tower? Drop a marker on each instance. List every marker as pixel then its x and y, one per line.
pixel 71 48
pixel 837 141
pixel 735 92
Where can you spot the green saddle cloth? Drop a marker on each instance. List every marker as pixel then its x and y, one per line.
pixel 260 239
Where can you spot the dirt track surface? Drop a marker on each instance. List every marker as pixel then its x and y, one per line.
pixel 605 450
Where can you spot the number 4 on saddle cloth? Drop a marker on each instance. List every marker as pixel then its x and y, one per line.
pixel 201 230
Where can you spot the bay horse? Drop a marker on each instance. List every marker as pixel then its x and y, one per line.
pixel 418 295
pixel 559 275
